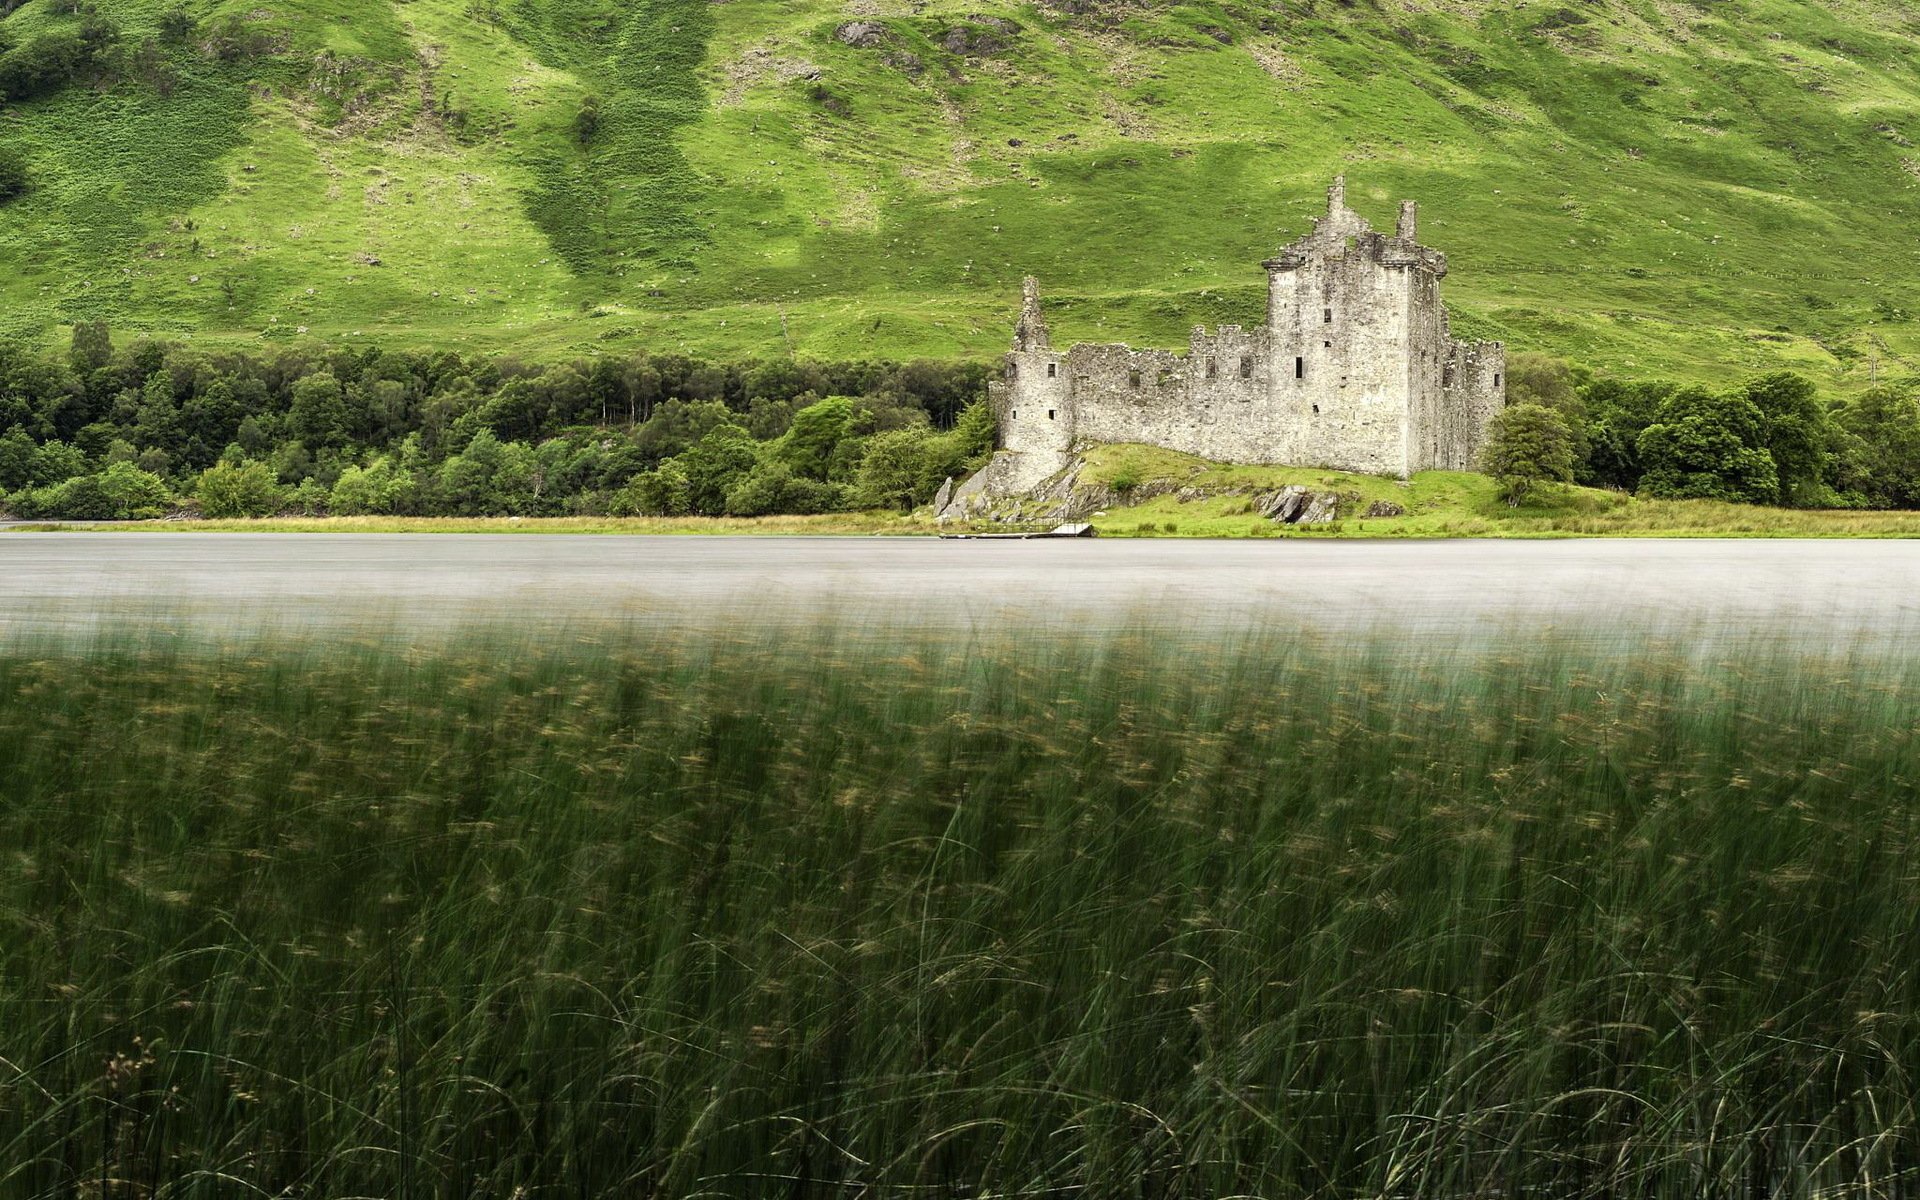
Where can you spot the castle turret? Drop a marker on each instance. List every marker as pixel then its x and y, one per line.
pixel 1408 229
pixel 1031 331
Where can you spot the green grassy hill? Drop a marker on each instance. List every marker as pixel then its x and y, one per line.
pixel 1646 185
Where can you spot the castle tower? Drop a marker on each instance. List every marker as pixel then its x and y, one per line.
pixel 1362 358
pixel 1033 397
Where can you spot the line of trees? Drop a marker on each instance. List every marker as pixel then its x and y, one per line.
pixel 106 432
pixel 110 432
pixel 1770 440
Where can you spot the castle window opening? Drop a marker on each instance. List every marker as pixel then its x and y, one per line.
pixel 1446 377
pixel 1328 345
pixel 1496 380
pixel 1213 369
pixel 1133 379
pixel 1316 410
pixel 1049 414
pixel 1053 369
pixel 1326 316
pixel 1013 370
pixel 1299 368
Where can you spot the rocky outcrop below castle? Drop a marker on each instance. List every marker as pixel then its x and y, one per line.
pixel 1067 496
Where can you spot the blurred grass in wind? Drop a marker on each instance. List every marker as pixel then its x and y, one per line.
pixel 838 915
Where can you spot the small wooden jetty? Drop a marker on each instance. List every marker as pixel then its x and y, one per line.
pixel 1062 531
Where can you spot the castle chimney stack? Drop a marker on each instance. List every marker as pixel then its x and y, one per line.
pixel 1337 194
pixel 1408 229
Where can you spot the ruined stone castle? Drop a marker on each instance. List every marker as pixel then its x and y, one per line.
pixel 1354 369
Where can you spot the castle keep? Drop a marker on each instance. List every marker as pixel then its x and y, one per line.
pixel 1354 369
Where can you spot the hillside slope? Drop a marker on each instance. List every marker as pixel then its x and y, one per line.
pixel 1646 185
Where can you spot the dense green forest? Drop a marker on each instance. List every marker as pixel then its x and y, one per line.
pixel 142 430
pixel 1770 439
pixel 149 428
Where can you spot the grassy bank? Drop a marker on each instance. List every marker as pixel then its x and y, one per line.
pixel 833 524
pixel 1163 493
pixel 1198 498
pixel 839 918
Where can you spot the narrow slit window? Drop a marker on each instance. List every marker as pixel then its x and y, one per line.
pixel 1326 345
pixel 1049 414
pixel 1133 379
pixel 1446 377
pixel 1213 369
pixel 1246 366
pixel 1316 410
pixel 1326 316
pixel 1496 381
pixel 1299 368
pixel 1013 370
pixel 1053 370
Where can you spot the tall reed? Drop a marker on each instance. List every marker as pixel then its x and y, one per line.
pixel 850 916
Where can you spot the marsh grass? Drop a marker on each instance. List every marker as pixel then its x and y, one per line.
pixel 840 915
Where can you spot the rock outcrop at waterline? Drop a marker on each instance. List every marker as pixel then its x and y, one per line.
pixel 1067 497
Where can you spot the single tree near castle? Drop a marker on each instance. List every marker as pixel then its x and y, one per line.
pixel 1528 444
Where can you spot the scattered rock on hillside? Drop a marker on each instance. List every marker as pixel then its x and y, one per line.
pixel 861 35
pixel 761 63
pixel 1384 508
pixel 1295 505
pixel 984 36
pixel 1324 507
pixel 1284 505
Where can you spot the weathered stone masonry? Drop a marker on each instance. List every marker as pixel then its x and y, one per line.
pixel 1354 369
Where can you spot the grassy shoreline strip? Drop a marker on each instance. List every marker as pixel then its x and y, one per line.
pixel 1644 519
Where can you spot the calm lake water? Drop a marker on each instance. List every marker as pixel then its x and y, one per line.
pixel 221 584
